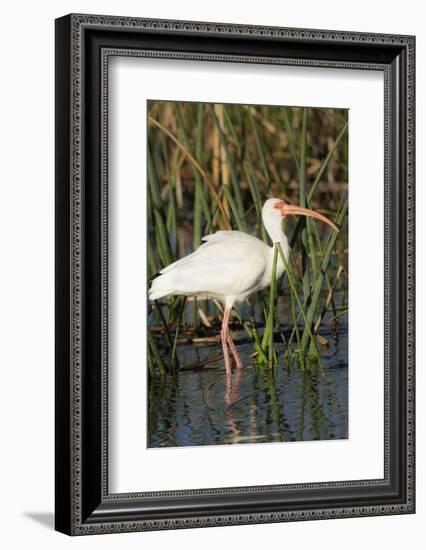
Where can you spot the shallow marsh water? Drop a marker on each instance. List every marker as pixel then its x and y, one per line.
pixel 248 155
pixel 260 405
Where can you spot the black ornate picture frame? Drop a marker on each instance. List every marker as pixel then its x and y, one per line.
pixel 84 44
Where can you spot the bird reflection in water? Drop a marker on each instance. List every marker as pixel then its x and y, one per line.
pixel 206 407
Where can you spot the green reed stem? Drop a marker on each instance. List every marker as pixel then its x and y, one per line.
pixel 230 127
pixel 268 335
pixel 316 274
pixel 259 146
pixel 198 202
pixel 317 179
pixel 290 137
pixel 304 222
pixel 173 357
pixel 232 167
pixel 165 325
pixel 301 309
pixel 325 162
pixel 241 225
pixel 318 285
pixel 162 241
pixel 156 353
pixel 255 195
pixel 151 367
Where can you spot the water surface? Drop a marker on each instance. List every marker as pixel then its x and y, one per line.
pixel 282 404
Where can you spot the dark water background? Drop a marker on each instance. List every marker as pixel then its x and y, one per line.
pixel 283 403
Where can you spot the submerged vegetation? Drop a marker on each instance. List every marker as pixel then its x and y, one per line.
pixel 210 167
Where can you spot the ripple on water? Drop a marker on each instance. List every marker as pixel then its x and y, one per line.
pixel 282 404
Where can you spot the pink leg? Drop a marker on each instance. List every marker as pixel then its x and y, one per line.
pixel 235 352
pixel 231 395
pixel 224 337
pixel 228 392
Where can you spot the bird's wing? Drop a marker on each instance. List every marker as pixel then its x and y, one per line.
pixel 221 267
pixel 214 239
pixel 231 234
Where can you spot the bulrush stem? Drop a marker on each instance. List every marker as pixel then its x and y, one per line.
pixel 305 227
pixel 268 337
pixel 315 295
pixel 156 353
pixel 316 181
pixel 301 308
pixel 173 358
pixel 194 161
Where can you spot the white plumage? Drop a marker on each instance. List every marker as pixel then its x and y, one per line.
pixel 230 266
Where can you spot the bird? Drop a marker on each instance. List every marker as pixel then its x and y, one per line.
pixel 231 265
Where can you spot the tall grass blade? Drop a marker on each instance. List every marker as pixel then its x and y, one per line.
pixel 173 357
pixel 325 163
pixel 319 282
pixel 162 240
pixel 231 165
pixel 259 146
pixel 268 335
pixel 192 159
pixel 304 221
pixel 290 136
pixel 156 354
pixel 301 308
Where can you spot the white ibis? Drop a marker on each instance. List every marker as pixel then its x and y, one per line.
pixel 230 266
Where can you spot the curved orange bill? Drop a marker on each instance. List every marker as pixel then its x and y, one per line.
pixel 290 210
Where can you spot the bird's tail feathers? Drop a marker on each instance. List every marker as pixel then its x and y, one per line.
pixel 152 295
pixel 158 288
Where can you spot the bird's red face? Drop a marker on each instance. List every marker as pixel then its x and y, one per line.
pixel 290 210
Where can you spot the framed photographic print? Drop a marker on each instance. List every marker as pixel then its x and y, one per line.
pixel 234 274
